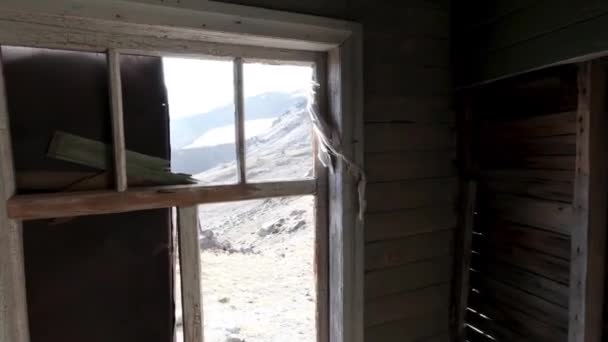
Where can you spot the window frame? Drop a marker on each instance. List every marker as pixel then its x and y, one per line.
pixel 190 28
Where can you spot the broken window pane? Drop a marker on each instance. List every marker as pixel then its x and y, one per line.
pixel 201 111
pixel 278 129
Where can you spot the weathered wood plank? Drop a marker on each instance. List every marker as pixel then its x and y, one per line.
pixel 531 162
pixel 395 137
pixel 412 329
pixel 239 120
pixel 396 166
pixel 558 145
pixel 29 207
pixel 542 189
pixel 379 255
pixel 401 224
pixel 382 108
pixel 190 271
pixel 406 305
pixel 530 174
pixel 118 123
pixel 590 201
pixel 533 127
pixel 407 278
pixel 13 303
pixel 553 216
pixel 410 194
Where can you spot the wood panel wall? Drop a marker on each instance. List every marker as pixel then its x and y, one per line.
pixel 498 38
pixel 410 150
pixel 525 149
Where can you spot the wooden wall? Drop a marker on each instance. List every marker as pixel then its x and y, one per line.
pixel 502 37
pixel 409 153
pixel 525 148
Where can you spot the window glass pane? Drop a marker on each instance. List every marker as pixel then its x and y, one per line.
pixel 277 124
pixel 201 110
pixel 258 277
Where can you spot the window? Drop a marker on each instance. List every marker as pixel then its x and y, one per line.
pixel 196 30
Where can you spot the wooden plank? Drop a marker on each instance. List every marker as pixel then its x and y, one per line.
pixel 554 216
pixel 239 120
pixel 13 302
pixel 383 108
pixel 531 162
pixel 395 137
pixel 412 329
pixel 542 189
pixel 407 278
pixel 410 194
pixel 409 165
pixel 507 233
pixel 406 305
pixel 401 224
pixel 190 270
pixel 379 255
pixel 590 201
pixel 533 127
pixel 118 123
pixel 30 207
pixel 530 174
pixel 558 145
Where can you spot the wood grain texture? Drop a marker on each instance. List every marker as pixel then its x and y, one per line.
pixel 590 200
pixel 418 328
pixel 28 207
pixel 190 271
pixel 13 303
pixel 391 196
pixel 118 123
pixel 409 165
pixel 239 120
pixel 404 223
pixel 408 137
pixel 393 253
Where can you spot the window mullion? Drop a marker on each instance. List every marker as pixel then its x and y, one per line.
pixel 239 122
pixel 118 130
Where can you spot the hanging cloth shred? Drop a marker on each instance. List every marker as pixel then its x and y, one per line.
pixel 330 147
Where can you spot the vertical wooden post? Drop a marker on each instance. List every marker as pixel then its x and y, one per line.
pixel 190 270
pixel 118 130
pixel 587 265
pixel 239 120
pixel 13 305
pixel 468 197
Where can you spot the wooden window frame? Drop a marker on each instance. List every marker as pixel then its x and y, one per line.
pixel 191 28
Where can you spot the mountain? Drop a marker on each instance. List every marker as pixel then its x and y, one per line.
pixel 184 131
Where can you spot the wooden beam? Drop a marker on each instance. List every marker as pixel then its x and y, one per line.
pixel 239 120
pixel 587 267
pixel 190 270
pixel 118 125
pixel 13 305
pixel 31 207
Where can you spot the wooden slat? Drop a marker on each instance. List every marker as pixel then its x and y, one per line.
pixel 411 329
pixel 13 303
pixel 410 194
pixel 29 207
pixel 409 165
pixel 401 224
pixel 409 277
pixel 590 202
pixel 190 270
pixel 239 120
pixel 536 126
pixel 542 189
pixel 530 174
pixel 507 233
pixel 118 124
pixel 393 253
pixel 513 146
pixel 553 216
pixel 406 305
pixel 531 162
pixel 413 109
pixel 400 137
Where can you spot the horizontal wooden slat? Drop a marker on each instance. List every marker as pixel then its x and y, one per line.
pixel 29 207
pixel 506 233
pixel 560 145
pixel 417 80
pixel 536 126
pixel 409 109
pixel 548 190
pixel 553 216
pixel 411 194
pixel 406 305
pixel 543 310
pixel 542 287
pixel 530 162
pixel 393 253
pixel 409 277
pixel 412 329
pixel 400 224
pixel 392 137
pixel 396 166
pixel 530 174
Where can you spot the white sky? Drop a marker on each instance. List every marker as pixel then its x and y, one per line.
pixel 196 86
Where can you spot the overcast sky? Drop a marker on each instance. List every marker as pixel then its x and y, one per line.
pixel 196 86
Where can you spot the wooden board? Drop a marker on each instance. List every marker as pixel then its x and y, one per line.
pixel 404 223
pixel 400 137
pixel 417 328
pixel 396 166
pixel 382 197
